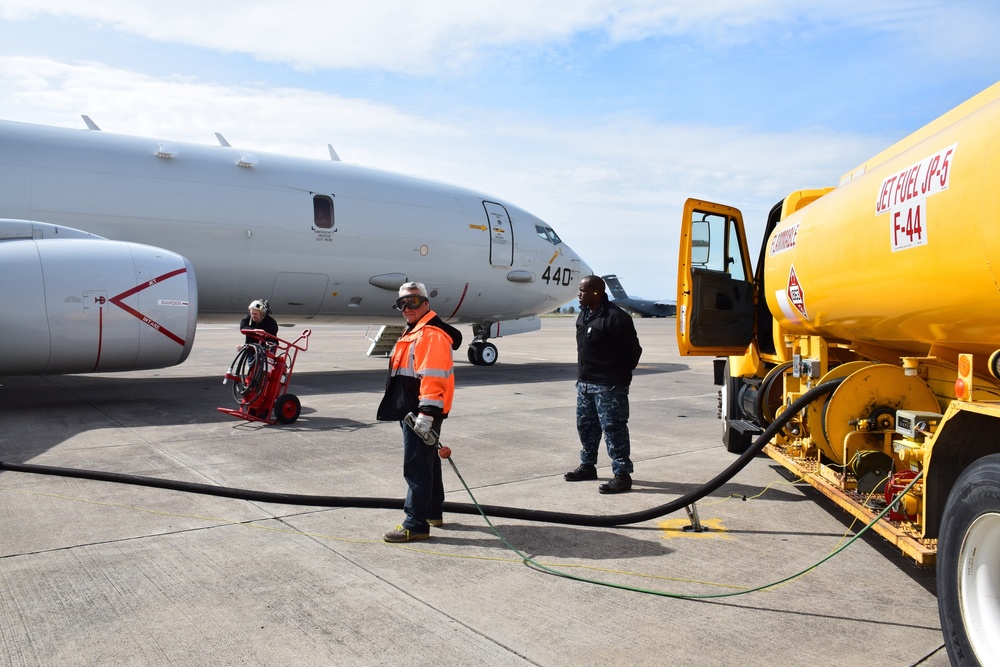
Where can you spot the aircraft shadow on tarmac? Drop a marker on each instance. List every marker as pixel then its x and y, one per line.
pixel 467 375
pixel 183 400
pixel 54 408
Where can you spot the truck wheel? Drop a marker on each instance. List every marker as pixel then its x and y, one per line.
pixel 287 408
pixel 736 442
pixel 968 566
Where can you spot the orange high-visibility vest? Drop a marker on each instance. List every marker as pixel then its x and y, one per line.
pixel 424 353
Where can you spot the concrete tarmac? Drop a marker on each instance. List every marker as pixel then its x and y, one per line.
pixel 99 573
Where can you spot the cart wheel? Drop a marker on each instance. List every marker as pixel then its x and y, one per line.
pixel 287 408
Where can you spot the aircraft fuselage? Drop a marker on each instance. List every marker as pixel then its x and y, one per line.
pixel 117 245
pixel 250 231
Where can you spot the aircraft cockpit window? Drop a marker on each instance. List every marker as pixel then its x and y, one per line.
pixel 548 234
pixel 322 212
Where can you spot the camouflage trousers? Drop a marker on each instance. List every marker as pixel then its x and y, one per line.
pixel 603 409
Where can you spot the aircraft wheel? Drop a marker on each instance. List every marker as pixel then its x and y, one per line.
pixel 968 565
pixel 287 408
pixel 474 357
pixel 488 354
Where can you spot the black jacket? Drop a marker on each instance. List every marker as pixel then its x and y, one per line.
pixel 267 325
pixel 607 346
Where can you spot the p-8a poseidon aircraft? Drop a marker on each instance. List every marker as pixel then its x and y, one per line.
pixel 112 246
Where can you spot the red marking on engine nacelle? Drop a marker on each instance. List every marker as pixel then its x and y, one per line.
pixel 119 299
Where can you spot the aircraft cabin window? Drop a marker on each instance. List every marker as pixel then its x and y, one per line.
pixel 323 212
pixel 548 234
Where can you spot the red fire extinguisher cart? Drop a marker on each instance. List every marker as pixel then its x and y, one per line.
pixel 260 375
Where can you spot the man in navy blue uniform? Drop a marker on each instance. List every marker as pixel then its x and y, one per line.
pixel 608 351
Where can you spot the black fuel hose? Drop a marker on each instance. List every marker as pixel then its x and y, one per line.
pixel 451 507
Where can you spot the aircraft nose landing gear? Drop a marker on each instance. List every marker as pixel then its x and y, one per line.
pixel 482 353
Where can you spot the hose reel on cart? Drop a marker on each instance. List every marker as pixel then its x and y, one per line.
pixel 261 373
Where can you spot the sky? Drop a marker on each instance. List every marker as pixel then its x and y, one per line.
pixel 599 116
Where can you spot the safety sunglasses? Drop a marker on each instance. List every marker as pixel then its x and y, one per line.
pixel 412 301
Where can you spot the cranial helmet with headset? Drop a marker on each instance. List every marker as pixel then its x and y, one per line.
pixel 262 305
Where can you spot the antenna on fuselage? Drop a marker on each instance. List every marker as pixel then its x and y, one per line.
pixel 333 153
pixel 222 140
pixel 91 125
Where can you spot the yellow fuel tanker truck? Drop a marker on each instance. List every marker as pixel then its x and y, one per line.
pixel 886 289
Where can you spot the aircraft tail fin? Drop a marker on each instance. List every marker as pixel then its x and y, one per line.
pixel 617 291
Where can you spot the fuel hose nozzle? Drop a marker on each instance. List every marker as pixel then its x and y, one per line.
pixel 430 437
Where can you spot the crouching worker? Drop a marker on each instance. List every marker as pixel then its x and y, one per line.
pixel 259 317
pixel 421 380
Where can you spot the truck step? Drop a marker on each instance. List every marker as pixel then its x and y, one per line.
pixel 743 426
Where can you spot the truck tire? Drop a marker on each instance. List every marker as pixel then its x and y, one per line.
pixel 968 566
pixel 736 441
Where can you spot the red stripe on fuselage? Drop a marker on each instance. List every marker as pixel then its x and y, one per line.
pixel 464 292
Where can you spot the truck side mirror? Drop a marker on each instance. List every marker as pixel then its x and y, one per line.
pixel 701 235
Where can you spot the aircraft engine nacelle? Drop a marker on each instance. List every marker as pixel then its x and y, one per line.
pixel 87 305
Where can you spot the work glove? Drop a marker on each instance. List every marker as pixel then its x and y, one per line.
pixel 422 425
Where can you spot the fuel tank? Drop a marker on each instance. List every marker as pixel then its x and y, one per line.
pixel 905 253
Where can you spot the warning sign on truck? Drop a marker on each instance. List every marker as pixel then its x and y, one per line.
pixel 795 294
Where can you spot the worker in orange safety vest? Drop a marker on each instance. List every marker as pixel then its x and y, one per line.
pixel 422 382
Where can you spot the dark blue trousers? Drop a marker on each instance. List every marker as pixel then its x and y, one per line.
pixel 604 409
pixel 422 472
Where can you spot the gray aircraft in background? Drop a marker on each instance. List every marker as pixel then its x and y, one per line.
pixel 636 306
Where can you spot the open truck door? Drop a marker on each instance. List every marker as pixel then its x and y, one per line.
pixel 715 295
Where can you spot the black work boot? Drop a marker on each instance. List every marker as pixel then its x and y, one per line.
pixel 582 473
pixel 620 484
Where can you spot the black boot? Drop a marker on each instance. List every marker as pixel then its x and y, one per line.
pixel 620 484
pixel 582 473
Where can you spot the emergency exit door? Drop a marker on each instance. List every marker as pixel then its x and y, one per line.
pixel 501 235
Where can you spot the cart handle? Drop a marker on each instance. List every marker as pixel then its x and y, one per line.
pixel 265 337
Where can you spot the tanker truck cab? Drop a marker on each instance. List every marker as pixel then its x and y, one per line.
pixel 721 310
pixel 885 291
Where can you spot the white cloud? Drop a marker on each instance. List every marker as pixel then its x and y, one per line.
pixel 446 35
pixel 275 119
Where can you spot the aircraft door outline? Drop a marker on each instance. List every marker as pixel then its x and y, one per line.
pixel 501 234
